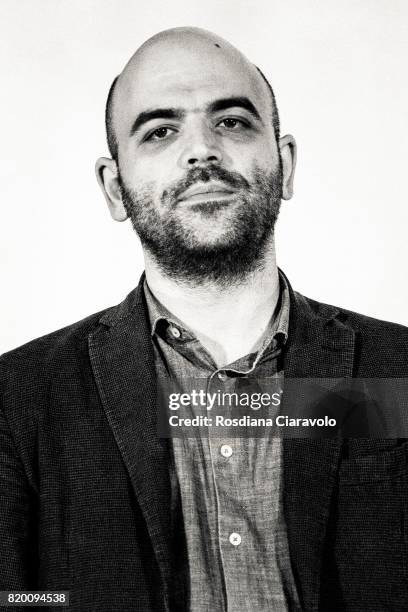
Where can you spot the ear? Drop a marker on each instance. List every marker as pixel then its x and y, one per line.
pixel 108 179
pixel 288 151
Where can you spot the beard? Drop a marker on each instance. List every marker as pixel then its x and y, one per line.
pixel 215 242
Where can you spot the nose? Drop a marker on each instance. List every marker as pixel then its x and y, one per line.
pixel 200 148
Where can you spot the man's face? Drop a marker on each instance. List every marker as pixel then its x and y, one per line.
pixel 199 165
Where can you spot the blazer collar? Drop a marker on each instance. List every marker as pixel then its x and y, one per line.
pixel 319 345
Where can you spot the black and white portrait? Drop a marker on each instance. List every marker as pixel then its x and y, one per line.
pixel 204 404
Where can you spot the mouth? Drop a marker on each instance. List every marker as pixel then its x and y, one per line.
pixel 207 192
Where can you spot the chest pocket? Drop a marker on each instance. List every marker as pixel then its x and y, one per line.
pixel 370 530
pixel 369 468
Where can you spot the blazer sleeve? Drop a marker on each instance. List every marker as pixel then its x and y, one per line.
pixel 18 541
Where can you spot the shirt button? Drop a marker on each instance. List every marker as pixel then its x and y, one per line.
pixel 226 450
pixel 222 376
pixel 175 332
pixel 235 539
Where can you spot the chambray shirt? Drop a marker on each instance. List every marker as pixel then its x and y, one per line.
pixel 230 487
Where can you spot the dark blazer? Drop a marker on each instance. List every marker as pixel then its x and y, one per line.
pixel 85 496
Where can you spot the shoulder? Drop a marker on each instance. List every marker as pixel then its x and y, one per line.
pixel 61 355
pixel 313 311
pixel 48 349
pixel 42 380
pixel 54 350
pixel 357 321
pixel 381 347
pixel 32 374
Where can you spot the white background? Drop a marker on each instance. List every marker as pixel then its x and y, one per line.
pixel 339 70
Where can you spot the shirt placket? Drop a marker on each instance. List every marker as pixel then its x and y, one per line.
pixel 225 457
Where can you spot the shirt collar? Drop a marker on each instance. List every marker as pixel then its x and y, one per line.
pixel 282 311
pixel 160 315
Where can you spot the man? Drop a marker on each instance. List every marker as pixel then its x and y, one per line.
pixel 93 500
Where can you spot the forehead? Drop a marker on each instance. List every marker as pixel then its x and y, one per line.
pixel 187 76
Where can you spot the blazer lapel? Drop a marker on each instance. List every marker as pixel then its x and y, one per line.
pixel 122 361
pixel 318 346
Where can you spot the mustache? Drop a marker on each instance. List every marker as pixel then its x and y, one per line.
pixel 205 175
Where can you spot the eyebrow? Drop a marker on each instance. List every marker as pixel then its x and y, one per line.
pixel 237 101
pixel 178 113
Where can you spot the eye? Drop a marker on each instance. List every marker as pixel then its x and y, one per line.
pixel 160 133
pixel 232 123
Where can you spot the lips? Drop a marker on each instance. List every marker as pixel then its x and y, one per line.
pixel 205 191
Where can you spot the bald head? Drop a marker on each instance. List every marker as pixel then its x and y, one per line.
pixel 170 51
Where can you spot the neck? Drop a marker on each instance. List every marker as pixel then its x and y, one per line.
pixel 229 321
